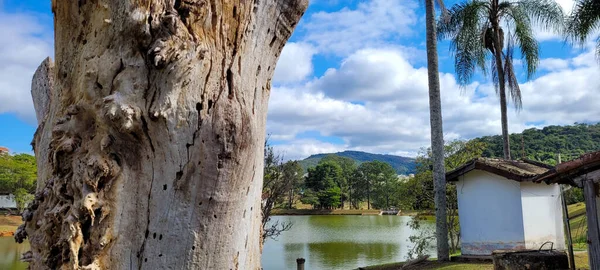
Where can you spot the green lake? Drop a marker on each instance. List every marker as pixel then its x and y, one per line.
pixel 10 253
pixel 326 242
pixel 339 242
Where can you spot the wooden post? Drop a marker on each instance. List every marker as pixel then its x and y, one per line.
pixel 566 220
pixel 589 193
pixel 300 262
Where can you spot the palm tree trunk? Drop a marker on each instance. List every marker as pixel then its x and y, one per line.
pixel 155 134
pixel 502 90
pixel 437 134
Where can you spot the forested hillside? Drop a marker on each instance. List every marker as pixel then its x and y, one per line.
pixel 545 144
pixel 402 165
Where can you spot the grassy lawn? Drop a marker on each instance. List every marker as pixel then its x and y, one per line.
pixel 576 209
pixel 434 265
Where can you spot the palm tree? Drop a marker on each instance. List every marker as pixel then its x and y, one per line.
pixel 437 136
pixel 487 31
pixel 584 19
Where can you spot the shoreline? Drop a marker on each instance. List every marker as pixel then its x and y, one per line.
pixel 335 212
pixel 9 225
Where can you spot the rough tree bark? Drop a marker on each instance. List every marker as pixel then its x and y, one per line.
pixel 437 134
pixel 154 134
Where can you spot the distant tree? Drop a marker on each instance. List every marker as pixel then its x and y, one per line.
pixel 477 36
pixel 583 22
pixel 348 167
pixel 371 180
pixel 293 174
pixel 330 198
pixel 546 144
pixel 22 198
pixel 322 179
pixel 18 175
pixel 279 178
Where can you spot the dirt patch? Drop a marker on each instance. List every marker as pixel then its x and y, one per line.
pixel 7 233
pixel 9 224
pixel 10 220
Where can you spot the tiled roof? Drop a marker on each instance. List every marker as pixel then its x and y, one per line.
pixel 518 170
pixel 564 172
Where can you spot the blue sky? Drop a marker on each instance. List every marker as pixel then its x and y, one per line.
pixel 353 76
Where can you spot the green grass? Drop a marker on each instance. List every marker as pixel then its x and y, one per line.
pixel 434 265
pixel 576 209
pixel 578 222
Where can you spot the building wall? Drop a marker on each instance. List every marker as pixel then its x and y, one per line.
pixel 542 215
pixel 7 201
pixel 490 213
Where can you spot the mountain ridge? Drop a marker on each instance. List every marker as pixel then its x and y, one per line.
pixel 402 165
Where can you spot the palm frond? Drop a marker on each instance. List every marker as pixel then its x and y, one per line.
pixel 462 26
pixel 509 75
pixel 584 19
pixel 546 13
pixel 494 70
pixel 524 38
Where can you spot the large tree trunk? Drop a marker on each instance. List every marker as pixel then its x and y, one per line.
pixel 437 134
pixel 155 133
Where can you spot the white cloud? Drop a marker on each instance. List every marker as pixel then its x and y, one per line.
pixel 22 49
pixel 295 63
pixel 371 24
pixel 553 64
pixel 302 148
pixel 394 115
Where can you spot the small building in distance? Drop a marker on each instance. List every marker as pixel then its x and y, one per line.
pixel 501 208
pixel 4 150
pixel 7 201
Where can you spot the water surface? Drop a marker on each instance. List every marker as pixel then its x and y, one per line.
pixel 339 242
pixel 326 242
pixel 10 253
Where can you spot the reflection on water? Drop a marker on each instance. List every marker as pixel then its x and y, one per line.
pixel 339 242
pixel 10 253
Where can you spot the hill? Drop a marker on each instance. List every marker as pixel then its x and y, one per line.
pixel 545 144
pixel 402 165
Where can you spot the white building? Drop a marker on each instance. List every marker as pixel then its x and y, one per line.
pixel 501 208
pixel 7 201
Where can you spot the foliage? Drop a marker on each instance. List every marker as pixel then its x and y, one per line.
pixel 574 195
pixel 22 198
pixel 583 21
pixel 18 175
pixel 323 180
pixel 478 38
pixel 348 167
pixel 545 144
pixel 330 198
pixel 402 165
pixel 279 179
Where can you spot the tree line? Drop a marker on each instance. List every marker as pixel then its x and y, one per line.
pixel 18 175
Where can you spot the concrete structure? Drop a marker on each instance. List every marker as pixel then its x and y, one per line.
pixel 583 172
pixel 7 201
pixel 501 208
